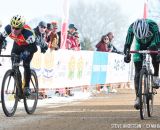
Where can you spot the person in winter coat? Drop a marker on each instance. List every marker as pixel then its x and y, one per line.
pixel 76 39
pixel 103 45
pixel 111 46
pixel 40 32
pixel 53 37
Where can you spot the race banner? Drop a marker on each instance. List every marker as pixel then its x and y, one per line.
pixel 99 69
pixel 68 68
pixel 117 70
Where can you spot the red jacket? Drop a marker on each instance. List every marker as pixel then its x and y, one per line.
pixel 101 46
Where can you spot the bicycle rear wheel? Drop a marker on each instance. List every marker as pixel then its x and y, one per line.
pixel 8 94
pixel 150 97
pixel 30 102
pixel 142 94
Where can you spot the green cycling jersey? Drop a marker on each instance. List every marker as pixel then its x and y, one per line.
pixel 151 41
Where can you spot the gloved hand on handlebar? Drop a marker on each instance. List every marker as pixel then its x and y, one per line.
pixel 24 55
pixel 127 57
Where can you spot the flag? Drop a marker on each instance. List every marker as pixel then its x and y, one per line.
pixel 145 13
pixel 64 27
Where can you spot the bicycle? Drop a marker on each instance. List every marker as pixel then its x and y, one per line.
pixel 12 91
pixel 146 89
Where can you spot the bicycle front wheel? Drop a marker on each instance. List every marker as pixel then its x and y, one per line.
pixel 142 94
pixel 30 102
pixel 8 94
pixel 150 97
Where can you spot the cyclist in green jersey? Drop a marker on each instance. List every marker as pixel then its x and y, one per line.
pixel 147 37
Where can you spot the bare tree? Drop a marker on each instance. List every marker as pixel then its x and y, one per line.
pixel 96 19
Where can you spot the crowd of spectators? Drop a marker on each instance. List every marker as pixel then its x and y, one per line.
pixel 48 37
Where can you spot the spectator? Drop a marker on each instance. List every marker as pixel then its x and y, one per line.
pixel 48 31
pixel 72 29
pixel 54 38
pixel 103 45
pixel 59 39
pixel 40 32
pixel 110 36
pixel 70 43
pixel 111 46
pixel 76 39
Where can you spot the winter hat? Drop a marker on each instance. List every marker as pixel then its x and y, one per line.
pixel 42 24
pixel 72 26
pixel 49 26
pixel 54 23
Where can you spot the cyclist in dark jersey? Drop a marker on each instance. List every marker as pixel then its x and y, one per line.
pixel 147 37
pixel 24 44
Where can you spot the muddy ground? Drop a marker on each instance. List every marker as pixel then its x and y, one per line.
pixel 100 112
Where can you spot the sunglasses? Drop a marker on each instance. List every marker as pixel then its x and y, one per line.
pixel 43 27
pixel 16 28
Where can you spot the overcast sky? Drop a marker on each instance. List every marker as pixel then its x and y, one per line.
pixel 33 8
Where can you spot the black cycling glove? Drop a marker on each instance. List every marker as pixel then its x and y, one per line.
pixel 127 58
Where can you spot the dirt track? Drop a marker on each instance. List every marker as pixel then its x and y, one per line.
pixel 101 112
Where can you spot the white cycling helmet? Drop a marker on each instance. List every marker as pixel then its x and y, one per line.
pixel 140 28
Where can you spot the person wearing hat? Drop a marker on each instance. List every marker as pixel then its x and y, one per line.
pixel 53 37
pixel 72 29
pixel 71 26
pixel 48 31
pixel 40 32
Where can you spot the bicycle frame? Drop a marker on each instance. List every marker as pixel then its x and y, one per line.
pixel 145 89
pixel 15 67
pixel 146 64
pixel 14 75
